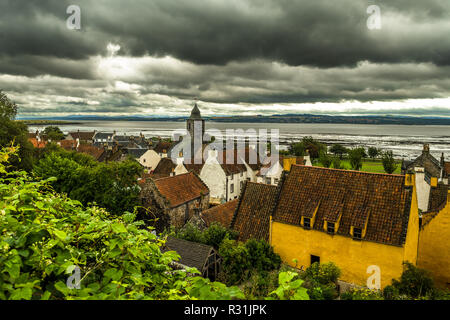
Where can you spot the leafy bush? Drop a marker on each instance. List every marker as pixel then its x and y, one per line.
pixel 235 266
pixel 413 283
pixel 290 287
pixel 110 185
pixel 212 236
pixel 325 273
pixel 261 255
pixel 321 279
pixel 362 294
pixel 45 235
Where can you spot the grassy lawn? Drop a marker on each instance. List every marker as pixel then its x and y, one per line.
pixel 368 166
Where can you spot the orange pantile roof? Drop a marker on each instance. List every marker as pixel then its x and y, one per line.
pixel 94 152
pixel 38 144
pixel 252 216
pixel 351 195
pixel 67 144
pixel 222 214
pixel 181 188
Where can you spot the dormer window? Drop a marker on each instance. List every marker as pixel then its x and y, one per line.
pixel 307 223
pixel 330 227
pixel 357 233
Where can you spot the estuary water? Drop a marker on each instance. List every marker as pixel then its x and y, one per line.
pixel 404 140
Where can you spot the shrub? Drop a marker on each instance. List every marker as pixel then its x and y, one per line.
pixel 362 294
pixel 325 273
pixel 261 255
pixel 414 283
pixel 290 287
pixel 45 236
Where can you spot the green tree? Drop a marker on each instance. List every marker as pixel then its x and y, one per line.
pixel 373 152
pixel 388 161
pixel 11 130
pixel 355 157
pixel 309 144
pixel 325 160
pixel 413 283
pixel 111 185
pixel 54 133
pixel 46 236
pixel 338 150
pixel 8 109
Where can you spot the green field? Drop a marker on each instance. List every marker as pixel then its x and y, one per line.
pixel 368 166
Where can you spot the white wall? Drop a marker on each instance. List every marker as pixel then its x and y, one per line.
pixel 150 159
pixel 423 189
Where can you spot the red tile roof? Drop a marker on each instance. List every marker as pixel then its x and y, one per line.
pixel 447 169
pixel 252 216
pixel 67 144
pixel 181 188
pixel 94 152
pixel 38 144
pixel 354 195
pixel 222 214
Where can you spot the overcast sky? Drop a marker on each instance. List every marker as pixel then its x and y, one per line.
pixel 156 57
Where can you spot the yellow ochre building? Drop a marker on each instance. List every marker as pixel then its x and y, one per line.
pixel 354 219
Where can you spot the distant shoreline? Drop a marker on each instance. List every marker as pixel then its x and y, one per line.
pixel 288 118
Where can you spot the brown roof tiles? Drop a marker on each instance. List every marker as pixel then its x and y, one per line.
pixel 181 188
pixel 252 216
pixel 222 214
pixel 353 195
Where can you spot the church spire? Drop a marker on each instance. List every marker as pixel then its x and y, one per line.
pixel 195 113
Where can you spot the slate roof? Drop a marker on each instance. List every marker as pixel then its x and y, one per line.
pixel 354 195
pixel 136 153
pixel 192 254
pixel 222 214
pixel 82 135
pixel 252 216
pixel 181 188
pixel 104 135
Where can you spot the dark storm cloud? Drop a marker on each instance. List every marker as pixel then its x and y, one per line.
pixel 222 52
pixel 321 33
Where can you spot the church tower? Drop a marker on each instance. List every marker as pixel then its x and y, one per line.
pixel 196 128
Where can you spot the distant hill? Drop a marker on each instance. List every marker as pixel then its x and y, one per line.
pixel 284 118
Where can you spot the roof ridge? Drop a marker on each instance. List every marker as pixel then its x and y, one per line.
pixel 346 170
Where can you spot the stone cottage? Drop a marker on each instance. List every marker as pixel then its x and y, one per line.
pixel 174 200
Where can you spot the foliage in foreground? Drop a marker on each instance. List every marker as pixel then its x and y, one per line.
pixel 110 185
pixel 45 237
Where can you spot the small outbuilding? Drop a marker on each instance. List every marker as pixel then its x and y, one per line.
pixel 195 255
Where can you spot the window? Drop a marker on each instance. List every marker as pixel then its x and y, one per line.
pixel 330 227
pixel 357 233
pixel 275 181
pixel 248 179
pixel 144 160
pixel 268 180
pixel 315 259
pixel 232 188
pixel 241 184
pixel 307 222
